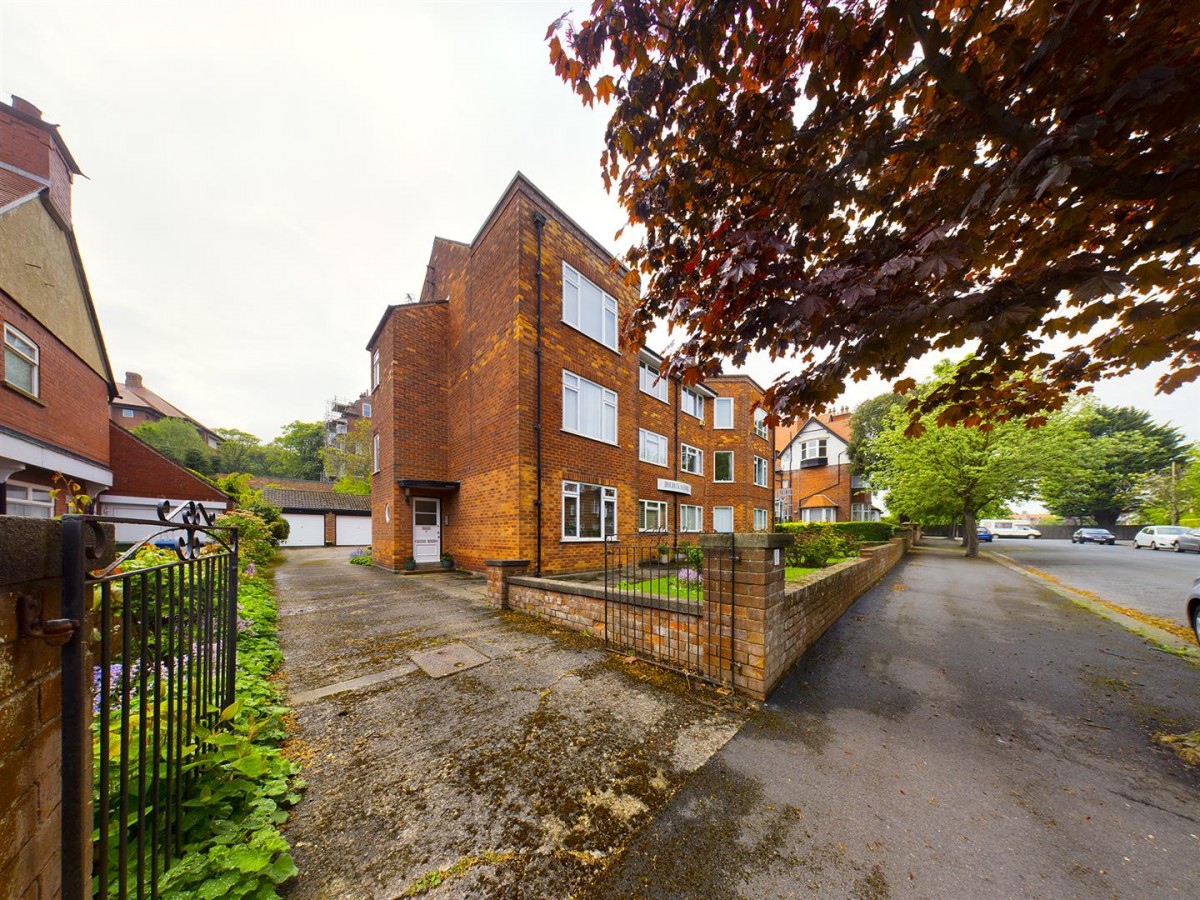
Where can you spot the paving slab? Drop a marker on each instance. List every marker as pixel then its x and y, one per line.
pixel 449 659
pixel 523 776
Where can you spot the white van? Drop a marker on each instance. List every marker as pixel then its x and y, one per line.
pixel 1007 528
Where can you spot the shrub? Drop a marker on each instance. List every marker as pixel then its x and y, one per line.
pixel 361 556
pixel 865 532
pixel 816 545
pixel 256 540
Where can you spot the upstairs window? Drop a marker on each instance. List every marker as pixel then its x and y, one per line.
pixel 692 403
pixel 375 369
pixel 366 414
pixel 20 361
pixel 588 309
pixel 723 465
pixel 652 448
pixel 760 423
pixel 723 412
pixel 651 382
pixel 814 453
pixel 691 459
pixel 760 471
pixel 127 414
pixel 589 409
pixel 374 453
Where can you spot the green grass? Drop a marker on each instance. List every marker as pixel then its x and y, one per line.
pixel 795 573
pixel 665 586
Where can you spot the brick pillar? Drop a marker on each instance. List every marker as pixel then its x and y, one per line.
pixel 498 573
pixel 753 580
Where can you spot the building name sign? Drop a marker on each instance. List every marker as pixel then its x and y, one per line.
pixel 674 487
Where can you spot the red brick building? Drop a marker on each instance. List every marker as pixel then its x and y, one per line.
pixel 813 478
pixel 55 378
pixel 510 423
pixel 136 404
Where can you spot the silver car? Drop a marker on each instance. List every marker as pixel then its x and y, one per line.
pixel 1188 541
pixel 1193 609
pixel 1158 537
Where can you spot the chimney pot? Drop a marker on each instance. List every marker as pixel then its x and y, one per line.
pixel 133 380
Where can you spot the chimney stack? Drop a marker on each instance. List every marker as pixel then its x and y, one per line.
pixel 133 380
pixel 35 149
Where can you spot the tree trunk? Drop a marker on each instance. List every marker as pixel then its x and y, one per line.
pixel 1107 518
pixel 970 534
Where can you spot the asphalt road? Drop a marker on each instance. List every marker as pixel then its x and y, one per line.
pixel 962 732
pixel 1155 582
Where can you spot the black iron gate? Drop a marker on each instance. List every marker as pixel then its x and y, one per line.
pixel 670 601
pixel 159 664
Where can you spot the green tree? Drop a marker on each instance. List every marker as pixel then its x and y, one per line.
pixel 858 183
pixel 1123 446
pixel 297 452
pixel 240 451
pixel 957 471
pixel 869 418
pixel 179 440
pixel 1170 496
pixel 237 486
pixel 348 459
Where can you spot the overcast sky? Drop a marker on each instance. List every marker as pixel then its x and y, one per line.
pixel 265 178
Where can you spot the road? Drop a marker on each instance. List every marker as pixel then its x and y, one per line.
pixel 961 732
pixel 1153 582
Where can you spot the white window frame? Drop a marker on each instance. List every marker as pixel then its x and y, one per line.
pixel 762 519
pixel 127 414
pixel 819 514
pixel 687 451
pixel 340 427
pixel 366 410
pixel 608 500
pixel 691 518
pixel 720 403
pixel 732 467
pixel 374 369
pixel 653 448
pixel 11 336
pixel 760 423
pixel 723 510
pixel 660 513
pixel 761 464
pixel 29 501
pixel 605 417
pixel 689 398
pixel 575 285
pixel 822 449
pixel 860 512
pixel 651 382
pixel 375 453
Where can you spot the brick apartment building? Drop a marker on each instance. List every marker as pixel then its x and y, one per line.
pixel 509 423
pixel 813 477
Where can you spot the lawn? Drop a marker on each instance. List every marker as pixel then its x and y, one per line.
pixel 665 586
pixel 795 573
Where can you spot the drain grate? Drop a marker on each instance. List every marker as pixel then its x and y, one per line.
pixel 448 659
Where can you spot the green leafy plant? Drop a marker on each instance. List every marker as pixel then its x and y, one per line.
pixel 816 545
pixel 361 557
pixel 865 532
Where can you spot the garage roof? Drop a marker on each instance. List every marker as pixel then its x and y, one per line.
pixel 317 501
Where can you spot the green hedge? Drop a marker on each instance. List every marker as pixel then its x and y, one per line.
pixel 865 532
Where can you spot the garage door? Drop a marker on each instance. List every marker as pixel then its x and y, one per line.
pixel 354 531
pixel 307 530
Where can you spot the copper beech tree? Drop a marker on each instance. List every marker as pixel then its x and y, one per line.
pixel 854 184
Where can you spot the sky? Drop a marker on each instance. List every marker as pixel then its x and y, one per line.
pixel 264 178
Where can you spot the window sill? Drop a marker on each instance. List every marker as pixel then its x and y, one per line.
pixel 584 540
pixel 21 392
pixel 594 340
pixel 588 437
pixel 651 462
pixel 721 481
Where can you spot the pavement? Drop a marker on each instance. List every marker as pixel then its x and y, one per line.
pixel 962 732
pixel 454 749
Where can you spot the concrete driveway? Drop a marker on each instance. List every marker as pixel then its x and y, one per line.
pixel 962 732
pixel 453 749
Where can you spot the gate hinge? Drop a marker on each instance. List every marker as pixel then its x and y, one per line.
pixel 54 632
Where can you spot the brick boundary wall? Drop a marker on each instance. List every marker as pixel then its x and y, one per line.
pixel 772 625
pixel 30 715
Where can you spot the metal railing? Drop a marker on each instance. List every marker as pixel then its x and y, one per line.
pixel 670 601
pixel 163 656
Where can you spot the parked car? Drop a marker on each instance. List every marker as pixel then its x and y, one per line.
pixel 1193 609
pixel 984 535
pixel 1093 536
pixel 1003 528
pixel 1158 537
pixel 1189 540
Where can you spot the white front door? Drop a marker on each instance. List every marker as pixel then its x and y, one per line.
pixel 427 530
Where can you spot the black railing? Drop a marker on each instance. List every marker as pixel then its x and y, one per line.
pixel 669 600
pixel 163 656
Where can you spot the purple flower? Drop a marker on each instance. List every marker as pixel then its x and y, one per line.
pixel 251 570
pixel 688 577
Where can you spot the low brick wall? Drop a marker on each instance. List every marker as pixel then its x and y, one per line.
pixel 799 618
pixel 772 624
